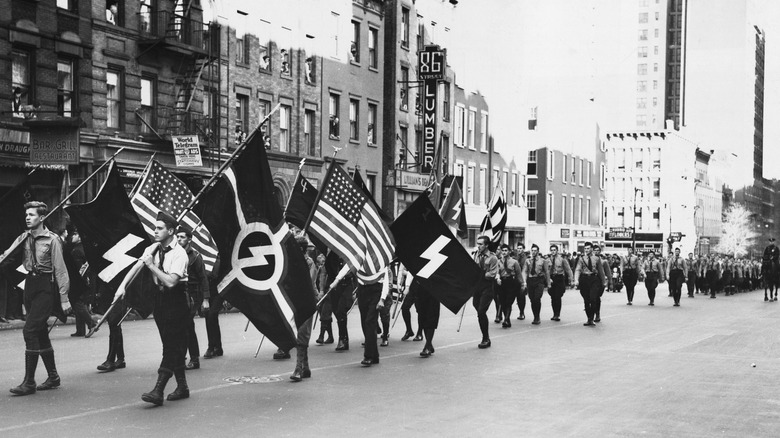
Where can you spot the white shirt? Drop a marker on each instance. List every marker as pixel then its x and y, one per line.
pixel 175 261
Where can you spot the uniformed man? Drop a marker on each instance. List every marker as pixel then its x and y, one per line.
pixel 509 282
pixel 676 272
pixel 326 310
pixel 521 258
pixel 167 261
pixel 342 285
pixel 537 276
pixel 197 288
pixel 560 271
pixel 404 283
pixel 607 277
pixel 212 304
pixel 483 295
pixel 589 276
pixel 371 299
pixel 651 272
pixel 629 269
pixel 302 370
pixel 45 290
pixel 713 276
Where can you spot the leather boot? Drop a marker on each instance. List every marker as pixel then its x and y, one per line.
pixel 297 375
pixel 343 344
pixel 329 331
pixel 28 385
pixel 306 370
pixel 119 346
pixel 53 381
pixel 321 339
pixel 155 396
pixel 182 390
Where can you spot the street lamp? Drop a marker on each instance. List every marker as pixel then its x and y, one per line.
pixel 633 230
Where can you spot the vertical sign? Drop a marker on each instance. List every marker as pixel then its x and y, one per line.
pixel 431 65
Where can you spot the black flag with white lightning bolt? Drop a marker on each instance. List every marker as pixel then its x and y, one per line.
pixel 428 249
pixel 262 270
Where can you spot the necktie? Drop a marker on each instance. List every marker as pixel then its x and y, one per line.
pixel 554 269
pixel 533 265
pixel 162 256
pixel 590 265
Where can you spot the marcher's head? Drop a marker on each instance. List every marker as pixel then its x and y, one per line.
pixel 677 252
pixel 588 248
pixel 504 249
pixel 597 250
pixel 75 237
pixel 534 249
pixel 164 227
pixel 482 243
pixel 184 237
pixel 553 249
pixel 34 211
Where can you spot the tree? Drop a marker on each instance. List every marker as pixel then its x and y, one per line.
pixel 737 233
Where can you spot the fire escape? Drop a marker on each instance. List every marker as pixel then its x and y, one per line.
pixel 193 48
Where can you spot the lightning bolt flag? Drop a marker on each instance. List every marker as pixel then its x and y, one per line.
pixel 262 271
pixel 113 239
pixel 494 223
pixel 452 211
pixel 302 199
pixel 425 245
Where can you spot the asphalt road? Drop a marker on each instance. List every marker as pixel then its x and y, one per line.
pixel 645 371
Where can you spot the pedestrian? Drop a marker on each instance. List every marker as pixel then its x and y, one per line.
pixel 651 271
pixel 483 294
pixel 197 288
pixel 537 276
pixel 167 261
pixel 45 290
pixel 560 272
pixel 509 282
pixel 589 277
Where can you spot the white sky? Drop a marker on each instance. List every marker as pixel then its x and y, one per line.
pixel 558 54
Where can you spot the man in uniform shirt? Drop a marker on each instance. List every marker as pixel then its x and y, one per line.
pixel 560 271
pixel 691 283
pixel 46 271
pixel 212 304
pixel 537 276
pixel 197 288
pixel 629 269
pixel 676 272
pixel 589 276
pixel 607 277
pixel 651 271
pixel 509 283
pixel 483 294
pixel 521 293
pixel 167 261
pixel 302 370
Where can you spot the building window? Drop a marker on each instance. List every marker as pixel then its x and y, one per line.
pixel 656 34
pixel 470 129
pixel 373 44
pixel 65 92
pixel 242 118
pixel 148 104
pixel 550 165
pixel 403 133
pixel 371 185
pixel 482 185
pixel 354 45
pixel 286 69
pixel 657 218
pixel 587 211
pixel 264 107
pixel 531 170
pixel 335 22
pixel 483 138
pixel 114 9
pixel 550 208
pixel 643 16
pixel 420 32
pixel 564 176
pixel 580 212
pixel 563 208
pixel 404 88
pixel 571 210
pixel 641 69
pixel 145 16
pixel 531 204
pixel 641 120
pixel 641 103
pixel 405 27
pixel 602 176
pixel 655 67
pixel 656 188
pixel 641 86
pixel 242 50
pixel 642 51
pixel 460 129
pixel 114 99
pixel 65 4
pixel 582 168
pixel 643 35
pixel 333 112
pixel 655 156
pixel 354 108
pixel 573 170
pixel 590 172
pixel 309 70
pixel 371 135
pixel 284 128
pixel 21 85
pixel 470 185
pixel 309 139
pixel 445 110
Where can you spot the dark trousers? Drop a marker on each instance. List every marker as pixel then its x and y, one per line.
pixel 212 322
pixel 535 292
pixel 326 310
pixel 384 316
pixel 83 317
pixel 368 298
pixel 428 309
pixel 521 293
pixel 406 307
pixel 15 299
pixel 556 291
pixel 676 278
pixel 712 281
pixel 590 289
pixel 651 282
pixel 507 293
pixel 629 279
pixel 341 300
pixel 192 339
pixel 172 316
pixel 39 299
pixel 691 282
pixel 481 302
pixel 4 289
pixel 116 341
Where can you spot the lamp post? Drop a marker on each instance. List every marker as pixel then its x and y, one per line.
pixel 633 230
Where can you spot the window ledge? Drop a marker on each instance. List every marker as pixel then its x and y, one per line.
pixel 242 64
pixel 373 69
pixel 353 141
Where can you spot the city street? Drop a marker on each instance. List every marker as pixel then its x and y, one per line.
pixel 657 371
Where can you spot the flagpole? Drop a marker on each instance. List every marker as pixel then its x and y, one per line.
pixel 227 162
pixel 321 191
pixel 300 169
pixel 73 192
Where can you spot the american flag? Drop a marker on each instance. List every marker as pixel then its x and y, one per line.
pixel 347 221
pixel 494 223
pixel 161 190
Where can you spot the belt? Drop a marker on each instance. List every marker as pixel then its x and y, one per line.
pixel 536 276
pixel 37 273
